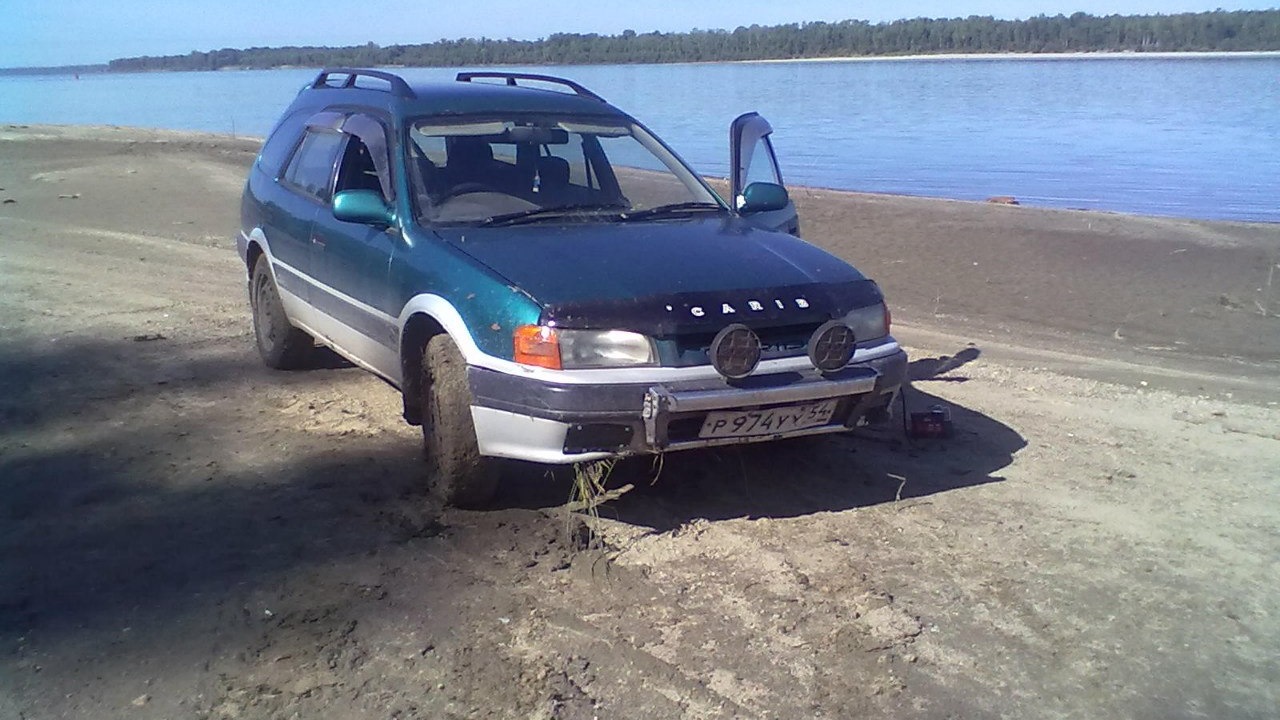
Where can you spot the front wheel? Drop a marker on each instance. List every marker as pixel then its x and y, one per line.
pixel 281 345
pixel 457 473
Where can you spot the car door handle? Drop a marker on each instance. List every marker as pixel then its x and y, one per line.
pixel 317 240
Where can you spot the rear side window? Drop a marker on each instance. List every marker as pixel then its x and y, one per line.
pixel 311 170
pixel 282 142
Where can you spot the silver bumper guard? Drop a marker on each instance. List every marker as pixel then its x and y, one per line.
pixel 660 403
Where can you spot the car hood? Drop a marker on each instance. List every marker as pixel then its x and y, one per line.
pixel 663 277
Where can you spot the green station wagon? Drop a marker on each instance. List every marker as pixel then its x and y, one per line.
pixel 544 280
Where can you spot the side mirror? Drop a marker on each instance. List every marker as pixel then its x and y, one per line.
pixel 363 206
pixel 762 197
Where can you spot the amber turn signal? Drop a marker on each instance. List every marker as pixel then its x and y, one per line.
pixel 538 346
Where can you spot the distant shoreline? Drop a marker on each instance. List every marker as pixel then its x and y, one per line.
pixel 1100 55
pixel 1047 56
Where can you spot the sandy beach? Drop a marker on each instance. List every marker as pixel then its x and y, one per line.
pixel 186 534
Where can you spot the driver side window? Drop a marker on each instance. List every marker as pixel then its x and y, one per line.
pixel 357 171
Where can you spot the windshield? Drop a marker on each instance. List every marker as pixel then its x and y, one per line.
pixel 477 171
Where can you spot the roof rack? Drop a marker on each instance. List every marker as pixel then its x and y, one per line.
pixel 512 77
pixel 398 86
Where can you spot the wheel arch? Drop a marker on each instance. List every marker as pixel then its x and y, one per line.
pixel 418 330
pixel 423 317
pixel 256 247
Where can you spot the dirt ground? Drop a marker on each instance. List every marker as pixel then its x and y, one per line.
pixel 186 534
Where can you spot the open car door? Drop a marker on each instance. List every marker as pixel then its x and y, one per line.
pixel 759 195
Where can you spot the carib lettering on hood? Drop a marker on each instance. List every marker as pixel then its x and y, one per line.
pixel 751 306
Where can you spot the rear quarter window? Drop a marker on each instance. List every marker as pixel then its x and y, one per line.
pixel 283 139
pixel 311 169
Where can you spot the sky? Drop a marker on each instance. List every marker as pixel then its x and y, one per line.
pixel 69 32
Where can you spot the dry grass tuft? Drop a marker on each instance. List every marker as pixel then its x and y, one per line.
pixel 589 492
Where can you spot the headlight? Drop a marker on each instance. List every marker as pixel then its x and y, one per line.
pixel 608 348
pixel 869 323
pixel 557 348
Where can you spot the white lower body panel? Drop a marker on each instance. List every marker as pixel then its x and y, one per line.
pixel 521 437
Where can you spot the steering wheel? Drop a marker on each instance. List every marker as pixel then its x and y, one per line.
pixel 466 188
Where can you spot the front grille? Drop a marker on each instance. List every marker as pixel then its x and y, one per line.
pixel 775 342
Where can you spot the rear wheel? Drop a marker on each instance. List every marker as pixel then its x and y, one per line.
pixel 457 473
pixel 281 345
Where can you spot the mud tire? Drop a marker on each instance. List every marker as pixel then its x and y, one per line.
pixel 457 474
pixel 281 345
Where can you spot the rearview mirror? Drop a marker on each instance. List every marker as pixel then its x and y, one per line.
pixel 363 206
pixel 762 197
pixel 536 135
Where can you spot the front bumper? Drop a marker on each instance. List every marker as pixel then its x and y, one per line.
pixel 530 419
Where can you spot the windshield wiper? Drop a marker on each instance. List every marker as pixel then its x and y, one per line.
pixel 674 209
pixel 542 213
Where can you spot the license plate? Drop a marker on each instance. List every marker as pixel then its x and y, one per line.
pixel 749 423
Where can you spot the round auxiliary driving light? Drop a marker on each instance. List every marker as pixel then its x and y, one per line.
pixel 735 351
pixel 831 346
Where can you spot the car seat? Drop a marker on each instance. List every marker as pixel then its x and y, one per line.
pixel 469 161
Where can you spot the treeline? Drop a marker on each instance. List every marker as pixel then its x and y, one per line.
pixel 1207 31
pixel 56 70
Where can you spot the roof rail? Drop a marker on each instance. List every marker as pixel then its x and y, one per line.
pixel 512 77
pixel 398 86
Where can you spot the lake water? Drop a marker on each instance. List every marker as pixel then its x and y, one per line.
pixel 1191 136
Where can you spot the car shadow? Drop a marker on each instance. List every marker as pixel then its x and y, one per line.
pixel 938 369
pixel 141 485
pixel 322 358
pixel 792 478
